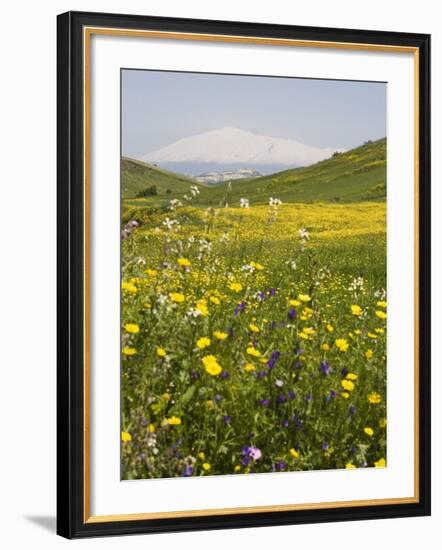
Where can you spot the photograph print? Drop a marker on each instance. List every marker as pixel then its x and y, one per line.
pixel 253 274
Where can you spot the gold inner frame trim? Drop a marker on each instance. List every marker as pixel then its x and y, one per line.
pixel 87 34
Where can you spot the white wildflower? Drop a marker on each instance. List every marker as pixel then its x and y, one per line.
pixel 244 203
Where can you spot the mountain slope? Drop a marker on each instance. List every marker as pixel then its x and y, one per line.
pixel 358 174
pixel 233 145
pixel 138 176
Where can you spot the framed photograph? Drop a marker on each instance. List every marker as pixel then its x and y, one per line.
pixel 243 274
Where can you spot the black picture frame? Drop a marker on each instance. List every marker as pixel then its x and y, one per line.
pixel 71 520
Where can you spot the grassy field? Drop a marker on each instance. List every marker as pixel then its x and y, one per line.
pixel 253 339
pixel 254 329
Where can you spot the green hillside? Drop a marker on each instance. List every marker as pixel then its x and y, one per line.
pixel 137 176
pixel 358 174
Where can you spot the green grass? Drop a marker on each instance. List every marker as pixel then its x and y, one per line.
pixel 137 176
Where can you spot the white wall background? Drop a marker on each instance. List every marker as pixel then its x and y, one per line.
pixel 27 271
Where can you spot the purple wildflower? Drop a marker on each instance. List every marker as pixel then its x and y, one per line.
pixel 188 471
pixel 251 452
pixel 261 295
pixel 292 313
pixel 280 465
pixel 245 460
pixel 325 446
pixel 344 372
pixel 227 418
pixel 264 402
pixel 272 292
pixel 352 410
pixel 225 374
pixel 308 397
pixel 332 394
pixel 195 375
pixel 281 399
pixel 291 394
pixel 325 368
pixel 262 374
pixel 230 332
pixel 271 363
pixel 285 423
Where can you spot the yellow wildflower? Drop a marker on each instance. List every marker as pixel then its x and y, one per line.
pixel 341 344
pixel 254 328
pixel 369 431
pixel 356 310
pixel 369 354
pixel 152 272
pixel 129 287
pixel 203 342
pixel 347 385
pixel 294 453
pixel 237 468
pixel 211 365
pixel 381 314
pixel 325 347
pixel 350 466
pixel 249 367
pixel 184 262
pixel 201 455
pixel 345 394
pixel 202 308
pixel 382 423
pixel 294 303
pixel 177 297
pixel 129 351
pixel 125 437
pixel 304 297
pixel 374 398
pixel 206 466
pixel 351 376
pixel 303 335
pixel 253 351
pixel 151 428
pixel 174 421
pixel 257 266
pixel 236 287
pixel 161 352
pixel 381 463
pixel 215 300
pixel 133 328
pixel 382 304
pixel 219 335
pixel 329 328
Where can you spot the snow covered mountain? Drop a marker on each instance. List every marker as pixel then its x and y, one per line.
pixel 212 178
pixel 236 146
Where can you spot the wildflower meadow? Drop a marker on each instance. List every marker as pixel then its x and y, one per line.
pixel 253 336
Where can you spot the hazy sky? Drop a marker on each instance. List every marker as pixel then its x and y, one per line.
pixel 159 108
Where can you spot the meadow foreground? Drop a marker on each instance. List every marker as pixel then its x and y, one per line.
pixel 253 338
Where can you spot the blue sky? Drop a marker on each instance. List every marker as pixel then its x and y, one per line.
pixel 159 108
